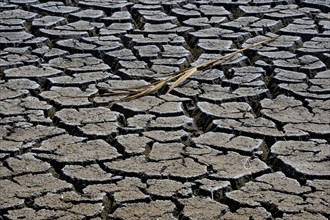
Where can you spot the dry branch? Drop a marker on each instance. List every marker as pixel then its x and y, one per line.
pixel 183 75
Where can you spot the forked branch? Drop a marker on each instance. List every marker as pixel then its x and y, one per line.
pixel 183 75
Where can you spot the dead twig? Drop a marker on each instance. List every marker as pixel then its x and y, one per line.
pixel 183 75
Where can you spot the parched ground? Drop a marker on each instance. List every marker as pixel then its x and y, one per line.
pixel 248 139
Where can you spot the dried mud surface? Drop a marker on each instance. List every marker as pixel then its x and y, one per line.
pixel 248 139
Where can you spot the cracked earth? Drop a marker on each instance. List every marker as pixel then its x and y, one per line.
pixel 248 139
